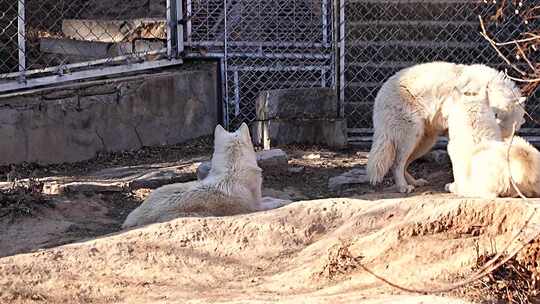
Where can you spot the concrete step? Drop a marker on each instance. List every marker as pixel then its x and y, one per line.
pixel 450 10
pixel 374 72
pixel 418 51
pixel 87 50
pixel 411 30
pixel 90 9
pixel 114 30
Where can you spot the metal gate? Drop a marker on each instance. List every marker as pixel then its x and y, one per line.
pixel 264 45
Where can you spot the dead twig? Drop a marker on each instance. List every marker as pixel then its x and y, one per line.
pixel 494 45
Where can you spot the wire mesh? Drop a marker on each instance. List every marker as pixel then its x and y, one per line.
pixel 266 44
pixel 383 37
pixel 8 36
pixel 60 33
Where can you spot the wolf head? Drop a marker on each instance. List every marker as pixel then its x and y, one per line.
pixel 233 151
pixel 471 117
pixel 507 103
pixel 501 93
pixel 470 103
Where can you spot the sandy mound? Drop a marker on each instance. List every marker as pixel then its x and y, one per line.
pixel 292 254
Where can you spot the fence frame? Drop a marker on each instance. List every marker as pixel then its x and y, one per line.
pixel 21 39
pixel 90 69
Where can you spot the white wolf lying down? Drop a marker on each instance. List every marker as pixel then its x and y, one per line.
pixel 407 117
pixel 233 185
pixel 479 153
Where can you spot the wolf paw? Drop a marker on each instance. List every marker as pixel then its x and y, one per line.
pixel 406 189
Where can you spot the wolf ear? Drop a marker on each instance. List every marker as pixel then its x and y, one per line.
pixel 219 132
pixel 484 93
pixel 496 80
pixel 244 132
pixel 456 94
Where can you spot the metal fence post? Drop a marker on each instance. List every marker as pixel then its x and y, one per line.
pixel 342 51
pixel 335 54
pixel 21 37
pixel 180 27
pixel 324 8
pixel 225 63
pixel 189 12
pixel 175 28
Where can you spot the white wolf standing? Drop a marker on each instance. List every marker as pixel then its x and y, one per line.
pixel 481 159
pixel 407 117
pixel 233 185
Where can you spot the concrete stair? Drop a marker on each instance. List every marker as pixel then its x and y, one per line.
pixel 427 10
pixel 89 39
pixel 413 30
pixel 114 30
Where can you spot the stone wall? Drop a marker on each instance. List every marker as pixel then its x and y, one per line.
pixel 77 121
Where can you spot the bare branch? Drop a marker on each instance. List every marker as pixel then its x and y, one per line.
pixel 533 38
pixel 524 56
pixel 492 42
pixel 522 79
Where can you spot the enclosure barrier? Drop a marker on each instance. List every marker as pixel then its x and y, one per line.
pixel 352 46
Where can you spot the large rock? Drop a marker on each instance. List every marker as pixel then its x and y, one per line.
pixel 204 169
pixel 158 178
pixel 353 177
pixel 275 159
pixel 269 203
pixel 440 157
pixel 84 187
pixel 311 103
pixel 304 116
pixel 332 133
pixel 272 159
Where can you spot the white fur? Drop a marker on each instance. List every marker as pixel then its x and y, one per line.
pixel 408 118
pixel 479 154
pixel 233 185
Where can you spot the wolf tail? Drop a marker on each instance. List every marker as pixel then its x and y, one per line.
pixel 381 157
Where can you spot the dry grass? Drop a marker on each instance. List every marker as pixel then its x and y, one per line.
pixel 22 199
pixel 340 261
pixel 515 282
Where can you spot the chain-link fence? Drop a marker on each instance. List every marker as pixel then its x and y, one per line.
pixel 382 37
pixel 57 37
pixel 350 45
pixel 291 44
pixel 9 22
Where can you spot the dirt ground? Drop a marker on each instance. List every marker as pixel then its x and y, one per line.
pixel 291 254
pixel 103 213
